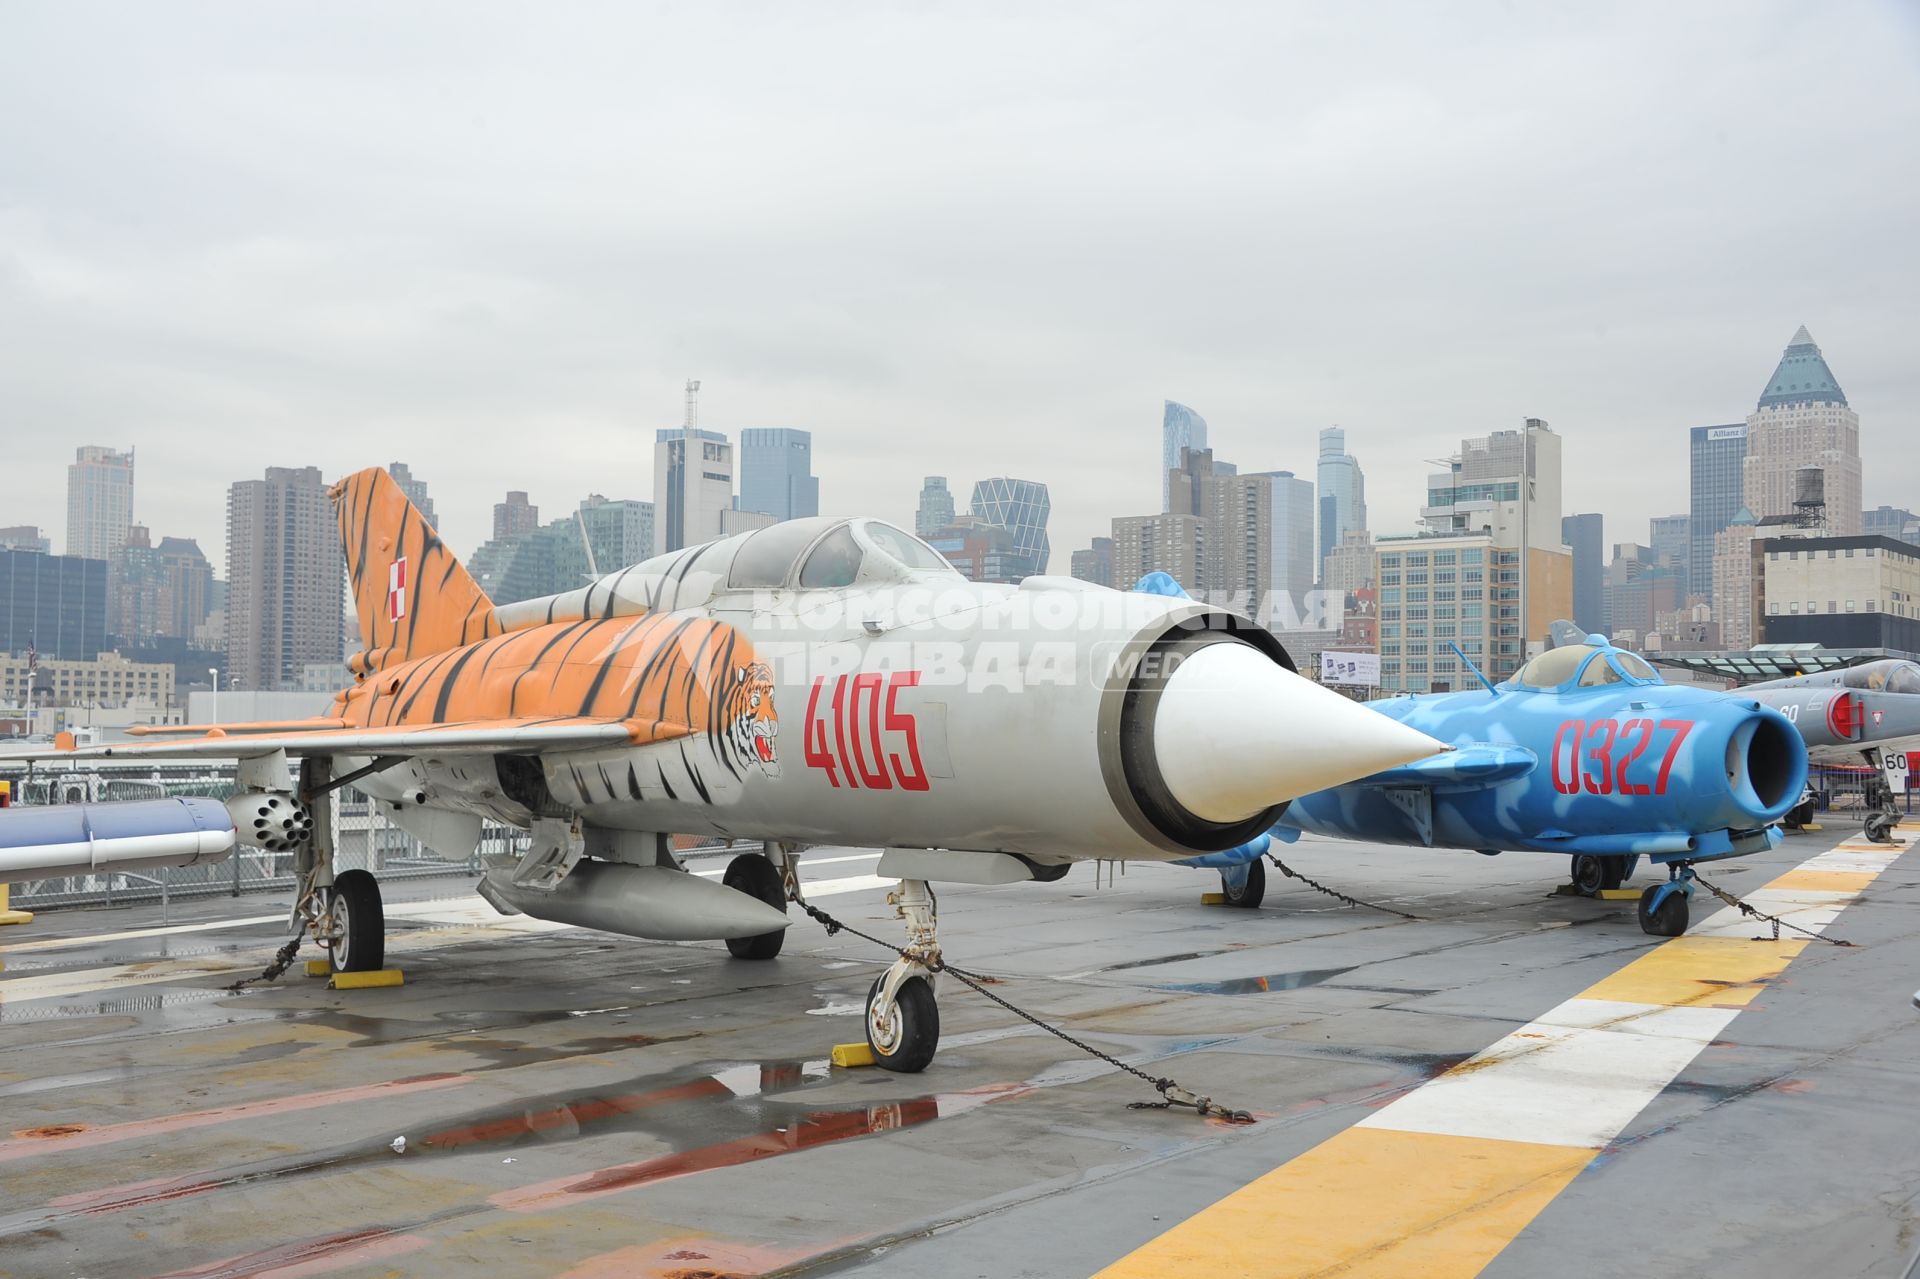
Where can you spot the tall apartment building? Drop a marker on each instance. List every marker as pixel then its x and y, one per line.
pixel 1238 539
pixel 1350 568
pixel 621 532
pixel 1343 494
pixel 1802 420
pixel 1733 596
pixel 286 579
pixel 936 510
pixel 692 485
pixel 1180 429
pixel 515 516
pixel 1171 544
pixel 776 473
pixel 1717 458
pixel 99 501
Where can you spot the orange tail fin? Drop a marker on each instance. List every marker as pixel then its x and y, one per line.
pixel 412 594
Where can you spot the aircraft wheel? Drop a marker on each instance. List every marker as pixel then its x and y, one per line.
pixel 1252 892
pixel 1670 920
pixel 904 1039
pixel 1613 872
pixel 359 924
pixel 1590 874
pixel 754 875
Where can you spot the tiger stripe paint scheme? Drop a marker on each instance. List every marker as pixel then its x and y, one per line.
pixel 379 530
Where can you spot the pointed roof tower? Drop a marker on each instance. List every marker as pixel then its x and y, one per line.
pixel 1802 376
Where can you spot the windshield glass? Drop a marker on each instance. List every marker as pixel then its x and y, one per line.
pixel 1552 668
pixel 906 548
pixel 835 562
pixel 1598 672
pixel 766 558
pixel 1905 679
pixel 1636 667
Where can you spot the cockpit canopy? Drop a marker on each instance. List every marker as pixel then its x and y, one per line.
pixel 830 554
pixel 1891 676
pixel 1575 666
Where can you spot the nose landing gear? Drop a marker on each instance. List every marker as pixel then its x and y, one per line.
pixel 903 1016
pixel 1663 908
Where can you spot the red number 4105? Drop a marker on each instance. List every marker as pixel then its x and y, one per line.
pixel 839 723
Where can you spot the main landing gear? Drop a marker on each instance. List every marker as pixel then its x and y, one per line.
pixel 1252 887
pixel 340 909
pixel 903 1017
pixel 1594 874
pixel 1663 907
pixel 772 875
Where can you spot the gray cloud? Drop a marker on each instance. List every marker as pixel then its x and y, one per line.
pixel 492 240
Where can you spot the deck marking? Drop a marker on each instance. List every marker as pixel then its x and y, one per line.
pixel 1438 1182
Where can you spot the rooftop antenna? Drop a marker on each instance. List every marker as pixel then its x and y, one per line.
pixel 693 406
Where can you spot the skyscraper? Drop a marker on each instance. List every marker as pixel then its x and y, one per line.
pixel 416 491
pixel 776 473
pixel 514 516
pixel 935 511
pixel 1180 428
pixel 285 578
pixel 1717 457
pixel 1021 507
pixel 99 501
pixel 1172 544
pixel 692 484
pixel 621 533
pixel 1586 534
pixel 1670 537
pixel 1343 494
pixel 1803 419
pixel 1895 522
pixel 1294 566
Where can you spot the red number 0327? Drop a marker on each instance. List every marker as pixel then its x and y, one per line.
pixel 856 734
pixel 1597 756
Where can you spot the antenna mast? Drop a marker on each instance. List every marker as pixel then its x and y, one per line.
pixel 693 406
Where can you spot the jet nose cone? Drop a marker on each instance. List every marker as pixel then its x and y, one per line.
pixel 1235 733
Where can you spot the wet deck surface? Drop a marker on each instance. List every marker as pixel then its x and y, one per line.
pixel 582 1105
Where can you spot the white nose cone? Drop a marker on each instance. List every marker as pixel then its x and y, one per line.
pixel 1235 733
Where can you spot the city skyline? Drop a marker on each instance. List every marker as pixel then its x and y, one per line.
pixel 1385 242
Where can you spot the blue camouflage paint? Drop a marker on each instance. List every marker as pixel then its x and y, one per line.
pixel 1496 791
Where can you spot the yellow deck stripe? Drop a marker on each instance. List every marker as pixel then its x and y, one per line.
pixel 1439 1182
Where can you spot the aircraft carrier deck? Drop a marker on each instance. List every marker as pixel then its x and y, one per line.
pixel 1513 1084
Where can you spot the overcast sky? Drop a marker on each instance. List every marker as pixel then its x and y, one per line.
pixel 493 240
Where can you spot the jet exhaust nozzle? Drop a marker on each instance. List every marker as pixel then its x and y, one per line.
pixel 658 903
pixel 80 839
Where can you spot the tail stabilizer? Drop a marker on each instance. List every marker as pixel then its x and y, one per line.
pixel 411 593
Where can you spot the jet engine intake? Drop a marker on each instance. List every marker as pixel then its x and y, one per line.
pixel 1766 765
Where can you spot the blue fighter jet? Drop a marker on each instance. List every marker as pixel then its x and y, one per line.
pixel 1586 752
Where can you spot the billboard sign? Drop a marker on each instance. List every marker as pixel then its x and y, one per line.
pixel 1350 668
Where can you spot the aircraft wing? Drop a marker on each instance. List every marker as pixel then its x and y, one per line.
pixel 1475 764
pixel 482 737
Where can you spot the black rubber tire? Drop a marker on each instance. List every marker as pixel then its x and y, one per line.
pixel 362 947
pixel 756 876
pixel 920 1027
pixel 1669 921
pixel 1589 874
pixel 1613 872
pixel 1255 890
